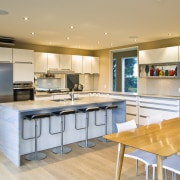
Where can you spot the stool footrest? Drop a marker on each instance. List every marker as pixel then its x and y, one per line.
pixel 37 116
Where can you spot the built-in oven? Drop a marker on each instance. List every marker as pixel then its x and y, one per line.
pixel 23 91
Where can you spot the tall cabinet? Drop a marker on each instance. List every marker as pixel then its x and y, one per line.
pixel 23 65
pixel 5 54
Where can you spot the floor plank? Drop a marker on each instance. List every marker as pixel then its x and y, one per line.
pixel 97 163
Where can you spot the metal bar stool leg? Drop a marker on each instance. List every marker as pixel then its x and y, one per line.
pixel 101 138
pixel 35 155
pixel 106 120
pixel 62 149
pixel 86 143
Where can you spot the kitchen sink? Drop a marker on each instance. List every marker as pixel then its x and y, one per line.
pixel 65 99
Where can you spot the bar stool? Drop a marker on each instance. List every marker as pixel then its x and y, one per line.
pixel 61 149
pixel 105 108
pixel 35 155
pixel 86 143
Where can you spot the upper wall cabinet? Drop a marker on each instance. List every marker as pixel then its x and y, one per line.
pixel 40 62
pixel 53 61
pixel 90 64
pixel 87 64
pixel 5 54
pixel 23 72
pixel 65 62
pixel 23 56
pixel 161 55
pixel 77 63
pixel 95 65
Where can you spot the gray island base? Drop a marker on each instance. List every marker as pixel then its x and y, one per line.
pixel 11 117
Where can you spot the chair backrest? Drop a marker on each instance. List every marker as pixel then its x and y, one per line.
pixel 154 119
pixel 124 126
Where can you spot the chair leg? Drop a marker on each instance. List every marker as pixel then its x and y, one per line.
pixel 154 172
pixel 165 173
pixel 147 171
pixel 136 167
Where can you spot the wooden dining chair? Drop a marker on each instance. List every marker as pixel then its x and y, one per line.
pixel 147 158
pixel 172 164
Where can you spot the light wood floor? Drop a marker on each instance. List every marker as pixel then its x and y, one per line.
pixel 97 163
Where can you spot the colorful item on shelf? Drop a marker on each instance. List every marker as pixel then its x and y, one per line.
pixel 157 71
pixel 152 71
pixel 147 70
pixel 161 72
pixel 175 71
pixel 171 72
pixel 166 72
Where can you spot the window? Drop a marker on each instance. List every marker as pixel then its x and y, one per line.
pixel 129 74
pixel 125 71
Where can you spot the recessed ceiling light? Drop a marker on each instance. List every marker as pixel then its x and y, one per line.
pixel 67 38
pixel 32 33
pixel 106 33
pixel 26 18
pixel 71 27
pixel 2 12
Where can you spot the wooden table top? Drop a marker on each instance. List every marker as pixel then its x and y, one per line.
pixel 162 138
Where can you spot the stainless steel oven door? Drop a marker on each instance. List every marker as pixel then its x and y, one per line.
pixel 23 94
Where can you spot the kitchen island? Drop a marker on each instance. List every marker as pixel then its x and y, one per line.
pixel 12 114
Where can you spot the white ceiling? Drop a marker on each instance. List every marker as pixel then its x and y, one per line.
pixel 124 20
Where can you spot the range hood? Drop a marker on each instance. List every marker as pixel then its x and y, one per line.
pixel 62 71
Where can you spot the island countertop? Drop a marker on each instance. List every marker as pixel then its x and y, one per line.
pixel 49 104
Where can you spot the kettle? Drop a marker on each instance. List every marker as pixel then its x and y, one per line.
pixel 78 87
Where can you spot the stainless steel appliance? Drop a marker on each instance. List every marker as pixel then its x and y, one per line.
pixel 6 82
pixel 23 91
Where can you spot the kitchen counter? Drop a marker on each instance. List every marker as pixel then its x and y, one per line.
pixel 41 94
pixel 11 117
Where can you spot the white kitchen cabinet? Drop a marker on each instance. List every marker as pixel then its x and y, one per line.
pixel 5 54
pixel 65 62
pixel 95 65
pixel 90 64
pixel 77 64
pixel 40 62
pixel 23 55
pixel 53 61
pixel 161 55
pixel 23 72
pixel 87 64
pixel 168 108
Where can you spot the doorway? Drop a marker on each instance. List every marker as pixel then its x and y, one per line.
pixel 125 70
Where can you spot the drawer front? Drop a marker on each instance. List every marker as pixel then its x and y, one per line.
pixel 132 117
pixel 131 109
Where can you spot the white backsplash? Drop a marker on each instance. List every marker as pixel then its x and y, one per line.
pixel 159 86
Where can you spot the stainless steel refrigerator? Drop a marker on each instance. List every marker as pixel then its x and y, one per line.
pixel 6 82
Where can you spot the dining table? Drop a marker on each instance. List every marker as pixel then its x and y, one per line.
pixel 161 139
